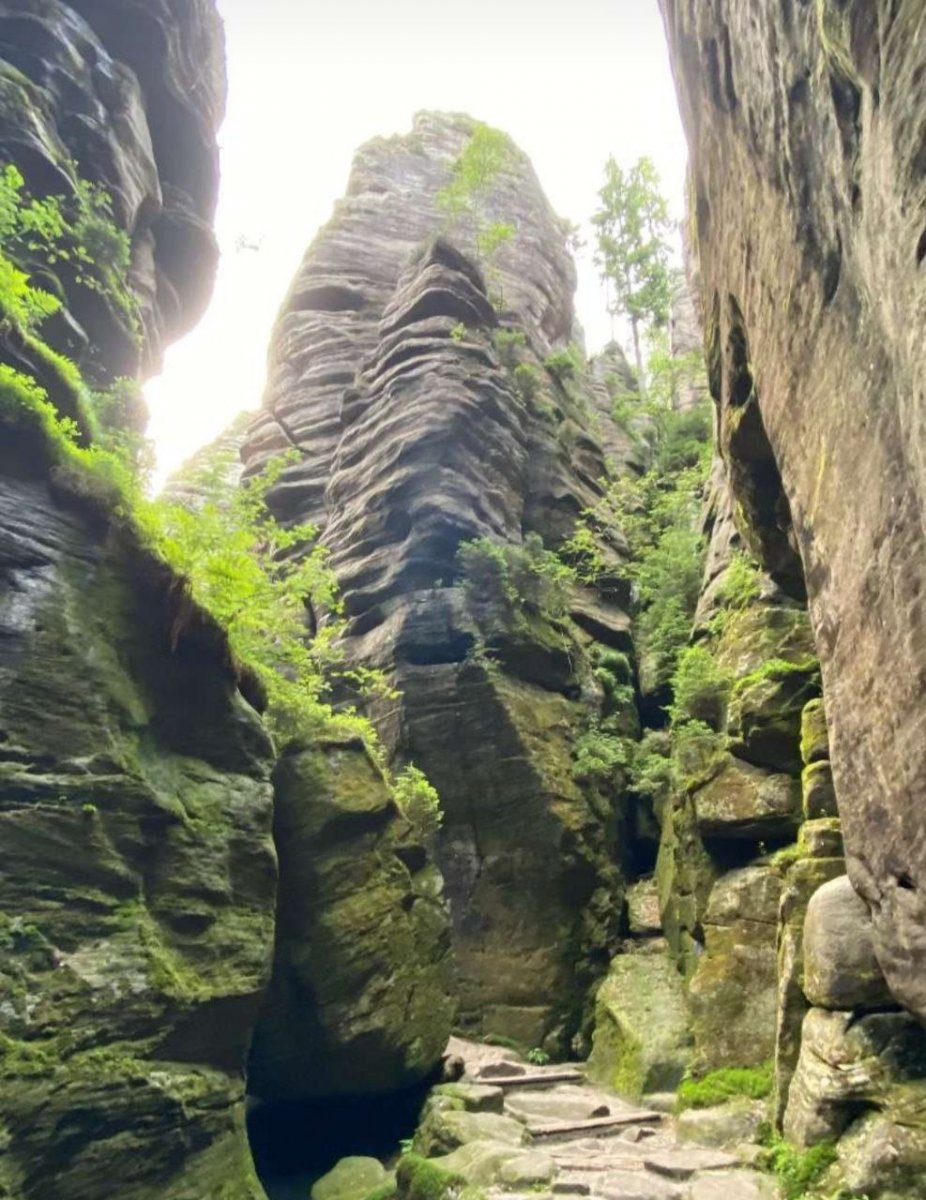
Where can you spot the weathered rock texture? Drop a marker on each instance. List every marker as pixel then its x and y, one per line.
pixel 359 1000
pixel 807 164
pixel 127 95
pixel 137 870
pixel 418 431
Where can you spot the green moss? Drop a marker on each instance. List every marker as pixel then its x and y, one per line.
pixel 385 1191
pixel 725 1084
pixel 418 1178
pixel 776 670
pixel 798 1171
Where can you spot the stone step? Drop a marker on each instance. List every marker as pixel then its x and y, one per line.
pixel 596 1124
pixel 535 1079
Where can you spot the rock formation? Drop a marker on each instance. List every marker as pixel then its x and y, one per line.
pixel 425 419
pixel 126 95
pixel 137 870
pixel 807 185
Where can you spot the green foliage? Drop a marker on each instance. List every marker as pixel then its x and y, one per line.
pixel 631 227
pixel 740 586
pixel 565 364
pixel 73 232
pixel 458 333
pixel 600 757
pixel 527 381
pixel 756 1083
pixel 538 1057
pixel 521 578
pixel 651 773
pixel 509 343
pixel 700 688
pixel 421 1179
pixel 418 802
pixel 476 172
pixel 798 1171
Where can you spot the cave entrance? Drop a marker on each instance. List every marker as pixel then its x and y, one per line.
pixel 295 1143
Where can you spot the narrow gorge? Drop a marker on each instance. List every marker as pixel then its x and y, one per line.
pixel 490 768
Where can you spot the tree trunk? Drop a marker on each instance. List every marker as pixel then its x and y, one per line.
pixel 641 378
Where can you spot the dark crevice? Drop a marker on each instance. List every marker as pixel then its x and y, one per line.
pixel 921 247
pixel 294 1144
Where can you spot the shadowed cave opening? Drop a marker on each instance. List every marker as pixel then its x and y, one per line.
pixel 295 1143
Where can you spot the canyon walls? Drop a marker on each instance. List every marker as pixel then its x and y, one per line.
pixel 807 186
pixel 434 407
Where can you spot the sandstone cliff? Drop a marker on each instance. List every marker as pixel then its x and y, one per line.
pixel 426 419
pixel 807 188
pixel 138 870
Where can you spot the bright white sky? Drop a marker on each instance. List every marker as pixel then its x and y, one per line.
pixel 310 80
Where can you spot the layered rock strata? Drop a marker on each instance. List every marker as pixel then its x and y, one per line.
pixel 425 419
pixel 807 185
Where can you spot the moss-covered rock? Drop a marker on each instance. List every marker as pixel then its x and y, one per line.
pixel 747 802
pixel 840 967
pixel 765 710
pixel 732 993
pixel 815 738
pixel 685 874
pixel 359 1001
pixel 818 791
pixel 642 1041
pixel 137 871
pixel 352 1179
pixel 443 1129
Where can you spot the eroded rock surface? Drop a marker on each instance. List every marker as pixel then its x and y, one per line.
pixel 127 96
pixel 808 185
pixel 425 418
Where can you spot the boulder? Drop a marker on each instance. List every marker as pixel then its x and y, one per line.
pixel 724 1125
pixel 819 791
pixel 840 967
pixel 733 991
pixel 351 1179
pixel 445 1129
pixel 359 1002
pixel 815 738
pixel 849 1064
pixel 883 1154
pixel 641 1041
pixel 764 713
pixel 745 801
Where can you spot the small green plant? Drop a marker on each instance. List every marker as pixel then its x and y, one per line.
pixel 482 163
pixel 458 333
pixel 601 758
pixel 564 364
pixel 538 1057
pixel 527 381
pixel 756 1083
pixel 523 579
pixel 509 343
pixel 418 801
pixel 799 1171
pixel 700 688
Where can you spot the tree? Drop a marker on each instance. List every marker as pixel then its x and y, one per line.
pixel 633 254
pixel 485 157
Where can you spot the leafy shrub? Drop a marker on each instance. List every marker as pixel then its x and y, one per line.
pixel 754 1082
pixel 538 1057
pixel 564 364
pixel 799 1170
pixel 526 577
pixel 527 381
pixel 651 772
pixel 599 757
pixel 700 688
pixel 509 343
pixel 418 802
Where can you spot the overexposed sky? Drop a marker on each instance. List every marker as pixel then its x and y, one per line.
pixel 310 80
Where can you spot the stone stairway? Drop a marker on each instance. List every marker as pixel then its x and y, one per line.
pixel 588 1142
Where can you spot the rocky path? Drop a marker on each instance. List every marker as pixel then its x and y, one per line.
pixel 586 1142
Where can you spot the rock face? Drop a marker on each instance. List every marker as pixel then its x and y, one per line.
pixel 808 184
pixel 137 870
pixel 127 95
pixel 425 419
pixel 358 1003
